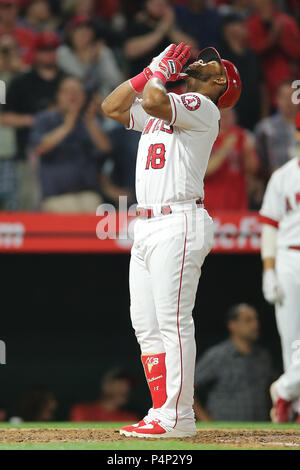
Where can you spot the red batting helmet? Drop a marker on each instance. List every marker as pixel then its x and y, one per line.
pixel 234 85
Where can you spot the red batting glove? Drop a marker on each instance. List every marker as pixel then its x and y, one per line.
pixel 139 81
pixel 169 68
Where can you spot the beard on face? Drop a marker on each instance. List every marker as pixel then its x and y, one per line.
pixel 199 74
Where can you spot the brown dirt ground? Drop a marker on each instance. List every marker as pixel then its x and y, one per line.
pixel 223 437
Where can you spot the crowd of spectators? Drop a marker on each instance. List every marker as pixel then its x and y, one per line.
pixel 60 58
pixel 232 381
pixel 38 403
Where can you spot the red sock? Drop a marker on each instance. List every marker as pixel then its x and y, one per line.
pixel 155 370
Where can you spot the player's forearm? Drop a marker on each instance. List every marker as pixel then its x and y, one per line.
pixel 268 263
pixel 119 102
pixel 154 93
pixel 268 246
pixel 156 101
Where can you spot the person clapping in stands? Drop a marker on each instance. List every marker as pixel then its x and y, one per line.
pixel 69 141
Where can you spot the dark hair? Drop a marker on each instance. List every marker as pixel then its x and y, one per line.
pixel 117 374
pixel 91 24
pixel 234 312
pixel 32 403
pixel 231 18
pixel 65 78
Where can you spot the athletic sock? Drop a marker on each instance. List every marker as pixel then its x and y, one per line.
pixel 155 371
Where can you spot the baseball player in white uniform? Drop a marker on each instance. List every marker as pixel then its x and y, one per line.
pixel 173 233
pixel 280 249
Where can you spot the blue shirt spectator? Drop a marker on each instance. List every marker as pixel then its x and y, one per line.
pixel 72 165
pixel 69 141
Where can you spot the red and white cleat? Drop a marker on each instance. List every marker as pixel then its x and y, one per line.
pixel 281 411
pixel 156 430
pixel 132 427
pixel 127 429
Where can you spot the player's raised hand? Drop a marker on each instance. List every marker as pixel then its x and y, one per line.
pixel 183 58
pixel 272 290
pixel 170 67
pixel 139 81
pixel 153 66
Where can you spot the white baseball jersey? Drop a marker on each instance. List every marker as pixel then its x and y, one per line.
pixel 172 157
pixel 281 204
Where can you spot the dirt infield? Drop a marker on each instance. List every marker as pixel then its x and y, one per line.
pixel 222 437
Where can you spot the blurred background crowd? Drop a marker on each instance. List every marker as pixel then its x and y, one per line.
pixel 232 381
pixel 59 59
pixel 58 153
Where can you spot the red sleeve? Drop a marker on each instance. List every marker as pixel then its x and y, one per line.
pixel 27 41
pixel 290 37
pixel 257 34
pixel 77 413
pixel 269 221
pixel 298 122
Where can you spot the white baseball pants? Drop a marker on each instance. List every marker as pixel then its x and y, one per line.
pixel 288 324
pixel 165 267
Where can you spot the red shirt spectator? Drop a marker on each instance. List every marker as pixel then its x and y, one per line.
pixel 26 39
pixel 275 36
pixel 298 129
pixel 107 9
pixel 95 412
pixel 233 159
pixel 298 122
pixel 114 393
